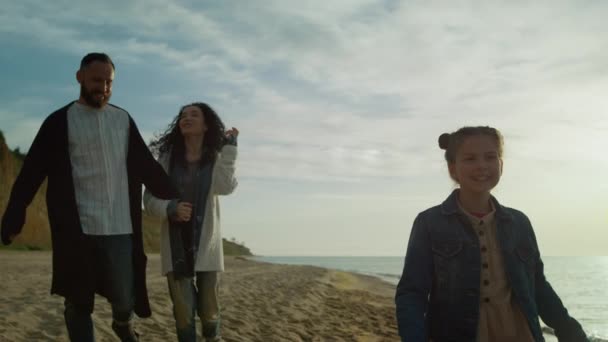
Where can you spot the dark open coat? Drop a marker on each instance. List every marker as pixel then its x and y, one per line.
pixel 49 157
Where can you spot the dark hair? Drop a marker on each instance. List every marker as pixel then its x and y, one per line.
pixel 96 57
pixel 172 139
pixel 450 142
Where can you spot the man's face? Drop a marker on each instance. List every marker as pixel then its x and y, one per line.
pixel 96 83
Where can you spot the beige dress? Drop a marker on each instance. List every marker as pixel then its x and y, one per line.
pixel 500 317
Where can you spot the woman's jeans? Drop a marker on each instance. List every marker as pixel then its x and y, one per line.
pixel 192 297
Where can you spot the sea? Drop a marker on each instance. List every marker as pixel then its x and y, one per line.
pixel 581 282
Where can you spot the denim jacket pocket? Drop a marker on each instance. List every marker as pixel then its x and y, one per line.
pixel 448 267
pixel 447 248
pixel 527 254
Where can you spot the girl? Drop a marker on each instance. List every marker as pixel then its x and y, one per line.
pixel 473 270
pixel 200 159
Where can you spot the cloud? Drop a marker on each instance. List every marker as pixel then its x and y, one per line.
pixel 355 77
pixel 344 94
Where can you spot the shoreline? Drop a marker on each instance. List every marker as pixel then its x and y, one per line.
pixel 372 278
pixel 390 279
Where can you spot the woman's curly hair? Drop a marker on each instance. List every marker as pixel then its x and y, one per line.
pixel 172 139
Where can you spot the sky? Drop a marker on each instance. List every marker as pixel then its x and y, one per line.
pixel 340 104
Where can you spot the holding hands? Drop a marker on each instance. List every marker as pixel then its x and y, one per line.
pixel 183 212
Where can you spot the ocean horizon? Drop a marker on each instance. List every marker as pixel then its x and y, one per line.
pixel 580 281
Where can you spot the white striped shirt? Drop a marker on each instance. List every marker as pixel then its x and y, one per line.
pixel 99 140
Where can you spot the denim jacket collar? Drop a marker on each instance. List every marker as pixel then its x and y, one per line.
pixel 450 207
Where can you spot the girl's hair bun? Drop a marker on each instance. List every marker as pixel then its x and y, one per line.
pixel 444 141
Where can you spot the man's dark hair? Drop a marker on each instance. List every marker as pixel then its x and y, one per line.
pixel 96 57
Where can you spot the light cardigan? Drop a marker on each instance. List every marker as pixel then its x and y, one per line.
pixel 210 256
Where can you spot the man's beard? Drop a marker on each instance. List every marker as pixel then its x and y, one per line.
pixel 91 100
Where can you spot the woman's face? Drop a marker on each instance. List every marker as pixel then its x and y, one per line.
pixel 192 122
pixel 478 165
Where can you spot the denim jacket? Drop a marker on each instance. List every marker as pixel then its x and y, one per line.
pixel 438 295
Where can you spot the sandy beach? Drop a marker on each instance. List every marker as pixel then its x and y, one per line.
pixel 260 302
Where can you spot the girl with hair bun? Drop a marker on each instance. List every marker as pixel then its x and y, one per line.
pixel 473 270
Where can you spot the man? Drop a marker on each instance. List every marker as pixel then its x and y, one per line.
pixel 96 161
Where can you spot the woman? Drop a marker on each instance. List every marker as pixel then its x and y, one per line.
pixel 199 156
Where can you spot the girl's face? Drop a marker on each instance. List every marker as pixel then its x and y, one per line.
pixel 192 122
pixel 478 166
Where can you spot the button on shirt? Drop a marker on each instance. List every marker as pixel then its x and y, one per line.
pixel 98 143
pixel 500 318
